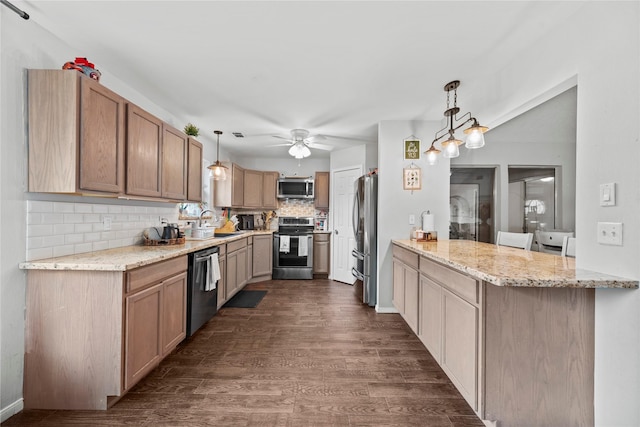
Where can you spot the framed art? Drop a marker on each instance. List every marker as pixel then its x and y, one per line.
pixel 411 148
pixel 412 178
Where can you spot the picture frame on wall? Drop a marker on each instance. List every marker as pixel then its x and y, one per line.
pixel 411 148
pixel 412 178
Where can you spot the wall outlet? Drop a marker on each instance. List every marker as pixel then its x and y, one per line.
pixel 610 233
pixel 412 219
pixel 106 223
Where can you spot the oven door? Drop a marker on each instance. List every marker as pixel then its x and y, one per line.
pixel 298 253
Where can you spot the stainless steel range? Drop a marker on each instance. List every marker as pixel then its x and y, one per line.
pixel 293 248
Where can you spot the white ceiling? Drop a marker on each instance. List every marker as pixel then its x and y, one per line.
pixel 336 68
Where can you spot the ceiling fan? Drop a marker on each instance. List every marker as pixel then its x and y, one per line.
pixel 301 141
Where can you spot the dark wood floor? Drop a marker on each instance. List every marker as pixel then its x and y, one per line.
pixel 310 354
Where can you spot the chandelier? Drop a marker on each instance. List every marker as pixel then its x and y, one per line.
pixel 475 133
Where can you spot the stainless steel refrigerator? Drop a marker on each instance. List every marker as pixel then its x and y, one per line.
pixel 365 228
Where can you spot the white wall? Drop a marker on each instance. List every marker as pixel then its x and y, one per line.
pixel 601 46
pixel 395 204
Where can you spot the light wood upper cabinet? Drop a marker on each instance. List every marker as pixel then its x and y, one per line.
pixel 174 163
pixel 269 190
pixel 252 189
pixel 237 186
pixel 144 153
pixel 321 190
pixel 230 192
pixel 194 171
pixel 76 134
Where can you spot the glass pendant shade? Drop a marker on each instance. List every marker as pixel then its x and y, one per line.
pixel 432 155
pixel 475 136
pixel 450 148
pixel 299 150
pixel 217 171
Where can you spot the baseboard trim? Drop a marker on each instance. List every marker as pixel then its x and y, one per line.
pixel 386 309
pixel 9 411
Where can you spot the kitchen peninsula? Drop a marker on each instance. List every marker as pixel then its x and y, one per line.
pixel 98 322
pixel 513 329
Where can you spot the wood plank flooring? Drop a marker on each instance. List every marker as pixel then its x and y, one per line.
pixel 310 354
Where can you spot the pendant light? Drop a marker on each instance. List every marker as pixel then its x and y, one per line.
pixel 218 170
pixel 475 133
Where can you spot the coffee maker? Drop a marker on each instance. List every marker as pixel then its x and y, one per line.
pixel 245 222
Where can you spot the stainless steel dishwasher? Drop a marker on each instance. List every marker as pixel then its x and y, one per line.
pixel 202 304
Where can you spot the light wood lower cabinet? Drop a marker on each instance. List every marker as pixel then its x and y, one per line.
pixel 236 267
pixel 321 253
pixel 107 331
pixel 405 285
pixel 222 283
pixel 249 258
pixel 262 259
pixel 519 356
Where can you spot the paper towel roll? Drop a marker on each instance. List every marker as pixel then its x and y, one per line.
pixel 428 221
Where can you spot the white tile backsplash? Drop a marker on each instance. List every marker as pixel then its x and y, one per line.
pixel 65 228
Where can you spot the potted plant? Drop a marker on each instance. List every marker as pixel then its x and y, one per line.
pixel 191 129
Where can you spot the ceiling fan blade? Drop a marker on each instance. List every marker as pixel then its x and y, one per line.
pixel 320 146
pixel 282 137
pixel 279 145
pixel 314 138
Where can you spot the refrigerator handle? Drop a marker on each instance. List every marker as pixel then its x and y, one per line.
pixel 357 255
pixel 355 215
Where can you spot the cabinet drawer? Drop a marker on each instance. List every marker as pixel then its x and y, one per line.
pixel 406 256
pixel 463 286
pixel 238 244
pixel 321 237
pixel 153 273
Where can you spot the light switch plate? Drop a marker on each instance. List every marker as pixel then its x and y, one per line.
pixel 608 194
pixel 610 233
pixel 412 219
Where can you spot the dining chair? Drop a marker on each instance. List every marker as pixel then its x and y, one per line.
pixel 515 240
pixel 568 247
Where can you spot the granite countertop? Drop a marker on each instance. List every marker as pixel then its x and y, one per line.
pixel 129 257
pixel 505 266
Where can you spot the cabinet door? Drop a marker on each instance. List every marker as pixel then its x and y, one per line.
pixel 143 348
pixel 237 186
pixel 174 312
pixel 249 261
pixel 222 283
pixel 398 286
pixel 269 190
pixel 101 138
pixel 262 255
pixel 144 149
pixel 174 163
pixel 321 190
pixel 252 189
pixel 232 273
pixel 459 345
pixel 194 171
pixel 320 256
pixel 411 300
pixel 430 330
pixel 241 275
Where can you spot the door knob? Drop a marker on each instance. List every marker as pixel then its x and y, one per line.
pixel 335 231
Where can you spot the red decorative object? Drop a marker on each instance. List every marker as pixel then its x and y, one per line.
pixel 83 66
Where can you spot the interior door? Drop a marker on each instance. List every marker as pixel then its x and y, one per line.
pixel 343 241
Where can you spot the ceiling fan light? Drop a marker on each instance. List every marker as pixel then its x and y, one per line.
pixel 305 151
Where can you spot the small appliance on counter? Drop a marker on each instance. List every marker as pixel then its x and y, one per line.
pixel 246 222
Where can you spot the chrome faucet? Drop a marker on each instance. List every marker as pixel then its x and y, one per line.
pixel 202 213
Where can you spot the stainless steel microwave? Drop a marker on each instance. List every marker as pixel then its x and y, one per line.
pixel 295 188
